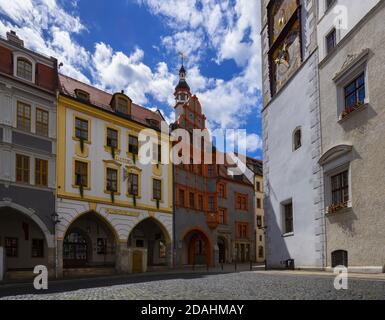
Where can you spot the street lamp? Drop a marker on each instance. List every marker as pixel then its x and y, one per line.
pixel 55 220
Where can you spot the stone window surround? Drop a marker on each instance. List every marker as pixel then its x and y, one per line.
pixel 348 73
pixel 335 161
pixel 18 55
pixel 282 209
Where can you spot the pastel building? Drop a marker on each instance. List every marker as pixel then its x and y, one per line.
pixel 115 211
pixel 28 83
pixel 214 211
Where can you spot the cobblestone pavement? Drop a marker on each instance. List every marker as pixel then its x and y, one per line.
pixel 242 286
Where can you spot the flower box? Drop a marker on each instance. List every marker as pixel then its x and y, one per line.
pixel 334 208
pixel 347 111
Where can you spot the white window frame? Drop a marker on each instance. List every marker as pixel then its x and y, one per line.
pixel 347 75
pixel 18 55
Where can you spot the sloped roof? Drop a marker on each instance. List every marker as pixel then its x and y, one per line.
pixel 102 99
pixel 255 165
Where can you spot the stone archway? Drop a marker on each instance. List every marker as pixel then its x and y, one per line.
pixel 26 239
pixel 89 241
pixel 197 248
pixel 149 245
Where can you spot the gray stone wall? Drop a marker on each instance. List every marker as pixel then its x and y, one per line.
pixel 360 229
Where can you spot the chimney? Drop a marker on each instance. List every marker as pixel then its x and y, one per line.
pixel 14 39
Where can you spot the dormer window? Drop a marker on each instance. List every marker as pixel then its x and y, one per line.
pixel 153 122
pixel 122 105
pixel 82 95
pixel 24 69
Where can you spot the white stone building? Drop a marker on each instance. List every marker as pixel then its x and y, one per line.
pixel 291 138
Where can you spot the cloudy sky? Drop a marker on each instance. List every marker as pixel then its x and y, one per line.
pixel 133 45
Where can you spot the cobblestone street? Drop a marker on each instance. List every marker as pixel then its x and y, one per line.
pixel 199 286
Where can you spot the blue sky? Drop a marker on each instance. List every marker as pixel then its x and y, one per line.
pixel 133 45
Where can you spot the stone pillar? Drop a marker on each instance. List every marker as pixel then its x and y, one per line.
pixel 59 259
pixel 51 263
pixel 122 258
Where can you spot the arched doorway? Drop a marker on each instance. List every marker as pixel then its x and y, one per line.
pixel 199 249
pixel 90 241
pixel 25 242
pixel 149 244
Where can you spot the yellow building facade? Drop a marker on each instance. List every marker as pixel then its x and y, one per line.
pixel 114 211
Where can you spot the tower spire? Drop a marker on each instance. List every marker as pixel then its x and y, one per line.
pixel 182 91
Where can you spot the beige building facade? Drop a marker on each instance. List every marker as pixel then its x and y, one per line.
pixel 351 72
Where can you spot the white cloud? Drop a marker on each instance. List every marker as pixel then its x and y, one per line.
pixel 230 29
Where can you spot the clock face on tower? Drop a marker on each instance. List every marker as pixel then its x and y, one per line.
pixel 287 58
pixel 282 11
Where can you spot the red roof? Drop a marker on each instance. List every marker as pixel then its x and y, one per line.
pixel 102 99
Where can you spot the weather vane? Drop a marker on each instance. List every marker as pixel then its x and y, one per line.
pixel 182 56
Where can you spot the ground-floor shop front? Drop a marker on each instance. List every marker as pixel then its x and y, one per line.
pixel 96 236
pixel 26 232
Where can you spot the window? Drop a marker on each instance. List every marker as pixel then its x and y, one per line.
pixel 211 204
pixel 112 180
pixel 222 216
pixel 243 231
pixel 81 129
pixel 11 247
pixel 192 200
pixel 42 122
pixel 81 173
pixel 340 188
pixel 82 95
pixel 157 189
pixel 222 191
pixel 331 41
pixel 339 258
pixel 260 252
pixel 112 138
pixel 241 202
pixel 288 218
pixel 24 69
pixel 133 144
pixel 259 203
pixel 258 186
pixel 41 172
pixel 181 198
pixel 200 202
pixel 210 170
pixel 355 92
pixel 101 246
pixel 122 106
pixel 23 116
pixel 37 248
pixel 259 222
pixel 133 184
pixel 297 139
pixel 22 168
